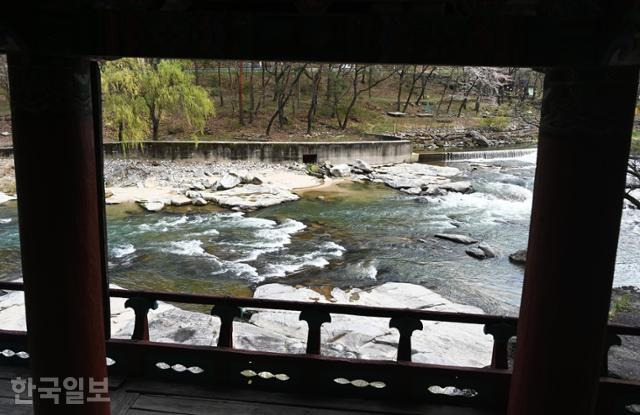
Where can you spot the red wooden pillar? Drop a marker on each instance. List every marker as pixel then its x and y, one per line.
pixel 55 165
pixel 587 117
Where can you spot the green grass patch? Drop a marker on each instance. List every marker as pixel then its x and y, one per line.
pixel 621 304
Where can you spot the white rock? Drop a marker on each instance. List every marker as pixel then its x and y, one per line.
pixel 192 194
pixel 433 190
pixel 197 186
pixel 5 198
pixel 340 170
pixel 251 197
pixel 371 338
pixel 180 201
pixel 152 205
pixel 208 196
pixel 454 237
pixel 363 166
pixel 488 250
pixel 412 190
pixel 198 201
pixel 229 181
pixel 252 179
pixel 407 175
pixel 5 133
pixel 460 187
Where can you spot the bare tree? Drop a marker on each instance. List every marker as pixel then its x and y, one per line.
pixel 315 86
pixel 355 72
pixel 4 75
pixel 417 75
pixel 486 80
pixel 285 85
pixel 633 181
pixel 423 84
pixel 220 83
pixel 401 73
pixel 240 76
pixel 251 93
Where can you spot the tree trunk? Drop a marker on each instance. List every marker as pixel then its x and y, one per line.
pixel 220 85
pixel 155 127
pixel 400 79
pixel 283 97
pixel 463 106
pixel 444 92
pixel 633 200
pixel 251 95
pixel 240 92
pixel 314 98
pixel 120 128
pixel 196 71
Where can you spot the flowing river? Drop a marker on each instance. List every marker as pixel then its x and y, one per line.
pixel 349 235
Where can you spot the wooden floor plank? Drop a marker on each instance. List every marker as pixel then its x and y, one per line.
pixel 309 401
pixel 9 407
pixel 121 401
pixel 141 412
pixel 198 406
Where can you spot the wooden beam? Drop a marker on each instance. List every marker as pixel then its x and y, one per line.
pixel 372 31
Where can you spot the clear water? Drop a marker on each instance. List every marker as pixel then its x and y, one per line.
pixel 352 235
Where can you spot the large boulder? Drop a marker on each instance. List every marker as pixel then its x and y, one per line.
pixel 476 253
pixel 199 201
pixel 197 186
pixel 251 197
pixel 478 139
pixel 371 338
pixel 454 237
pixel 460 187
pixel 519 257
pixel 340 170
pixel 482 251
pixel 406 175
pixel 193 194
pixel 411 190
pixel 180 200
pixel 488 250
pixel 152 205
pixel 5 198
pixel 229 181
pixel 363 166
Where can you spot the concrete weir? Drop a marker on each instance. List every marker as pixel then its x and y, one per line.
pixel 374 152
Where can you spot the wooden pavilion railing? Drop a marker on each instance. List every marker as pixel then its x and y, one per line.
pixel 314 373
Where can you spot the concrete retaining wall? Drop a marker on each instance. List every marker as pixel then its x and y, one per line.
pixel 374 152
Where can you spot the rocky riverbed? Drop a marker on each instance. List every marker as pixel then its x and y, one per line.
pixel 246 186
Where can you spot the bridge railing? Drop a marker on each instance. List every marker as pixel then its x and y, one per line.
pixel 314 372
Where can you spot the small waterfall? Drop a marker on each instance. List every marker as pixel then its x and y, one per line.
pixel 492 154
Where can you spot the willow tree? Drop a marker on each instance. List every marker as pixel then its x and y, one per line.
pixel 123 107
pixel 140 93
